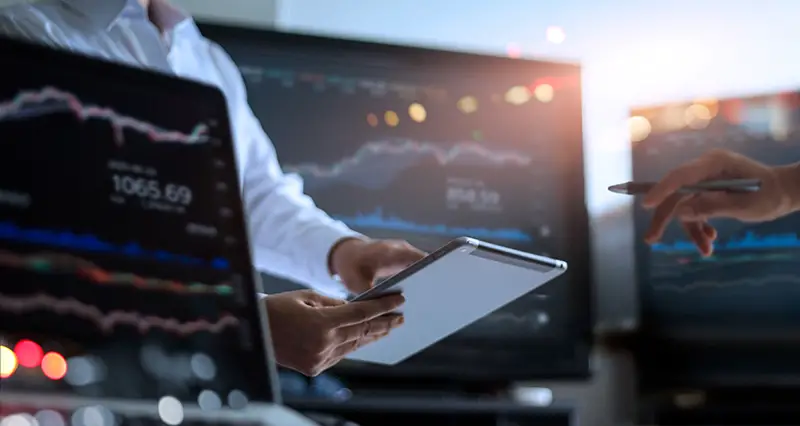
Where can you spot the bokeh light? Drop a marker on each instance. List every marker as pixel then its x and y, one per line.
pixel 54 366
pixel 170 410
pixel 372 120
pixel 391 118
pixel 29 353
pixel 518 95
pixel 555 35
pixel 544 93
pixel 8 362
pixel 639 128
pixel 49 418
pixel 417 112
pixel 467 104
pixel 697 116
pixel 20 419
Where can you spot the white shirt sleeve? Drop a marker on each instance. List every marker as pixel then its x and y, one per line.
pixel 291 237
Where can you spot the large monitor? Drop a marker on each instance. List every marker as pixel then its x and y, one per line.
pixel 427 145
pixel 125 270
pixel 733 317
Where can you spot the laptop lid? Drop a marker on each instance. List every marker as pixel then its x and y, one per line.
pixel 125 270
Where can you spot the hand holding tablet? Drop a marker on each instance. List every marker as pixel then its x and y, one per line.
pixel 451 288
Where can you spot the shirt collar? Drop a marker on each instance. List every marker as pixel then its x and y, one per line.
pixel 106 12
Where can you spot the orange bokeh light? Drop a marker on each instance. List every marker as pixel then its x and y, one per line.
pixel 54 366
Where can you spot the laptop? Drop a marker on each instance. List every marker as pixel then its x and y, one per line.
pixel 127 291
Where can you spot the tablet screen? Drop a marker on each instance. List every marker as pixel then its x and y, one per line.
pixel 449 290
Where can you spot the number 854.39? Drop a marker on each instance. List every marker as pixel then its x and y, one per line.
pixel 151 189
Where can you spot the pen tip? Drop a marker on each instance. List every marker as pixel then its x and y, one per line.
pixel 619 189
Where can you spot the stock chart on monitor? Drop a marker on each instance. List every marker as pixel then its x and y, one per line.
pixel 123 255
pixel 428 150
pixel 750 287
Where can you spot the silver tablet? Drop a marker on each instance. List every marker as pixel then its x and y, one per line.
pixel 451 288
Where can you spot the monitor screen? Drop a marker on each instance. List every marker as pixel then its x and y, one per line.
pixel 124 261
pixel 721 312
pixel 427 146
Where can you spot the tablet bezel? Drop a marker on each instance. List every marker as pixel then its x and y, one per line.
pixel 490 251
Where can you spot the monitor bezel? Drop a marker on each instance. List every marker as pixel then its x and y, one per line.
pixel 186 89
pixel 581 271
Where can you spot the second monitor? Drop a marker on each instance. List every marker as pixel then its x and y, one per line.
pixel 427 146
pixel 731 318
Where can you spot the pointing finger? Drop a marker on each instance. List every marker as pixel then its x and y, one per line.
pixel 710 231
pixel 695 232
pixel 358 312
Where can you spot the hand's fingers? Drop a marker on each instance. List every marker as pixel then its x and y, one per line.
pixel 690 173
pixel 710 231
pixel 661 218
pixel 384 259
pixel 357 312
pixel 397 258
pixel 709 205
pixel 380 325
pixel 342 350
pixel 359 282
pixel 695 232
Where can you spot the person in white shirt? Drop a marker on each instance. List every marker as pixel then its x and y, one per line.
pixel 291 237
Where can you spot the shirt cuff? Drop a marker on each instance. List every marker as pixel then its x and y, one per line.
pixel 319 257
pixel 307 261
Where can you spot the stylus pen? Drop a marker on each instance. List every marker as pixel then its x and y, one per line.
pixel 729 185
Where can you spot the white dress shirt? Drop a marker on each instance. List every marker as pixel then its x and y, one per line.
pixel 290 236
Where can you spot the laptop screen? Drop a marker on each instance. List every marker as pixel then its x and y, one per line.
pixel 124 262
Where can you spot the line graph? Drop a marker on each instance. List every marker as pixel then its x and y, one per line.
pixel 377 220
pixel 91 243
pixel 376 164
pixel 673 266
pixel 750 241
pixel 50 100
pixel 108 322
pixel 56 263
pixel 769 280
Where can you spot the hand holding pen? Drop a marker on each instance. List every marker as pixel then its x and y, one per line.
pixel 718 184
